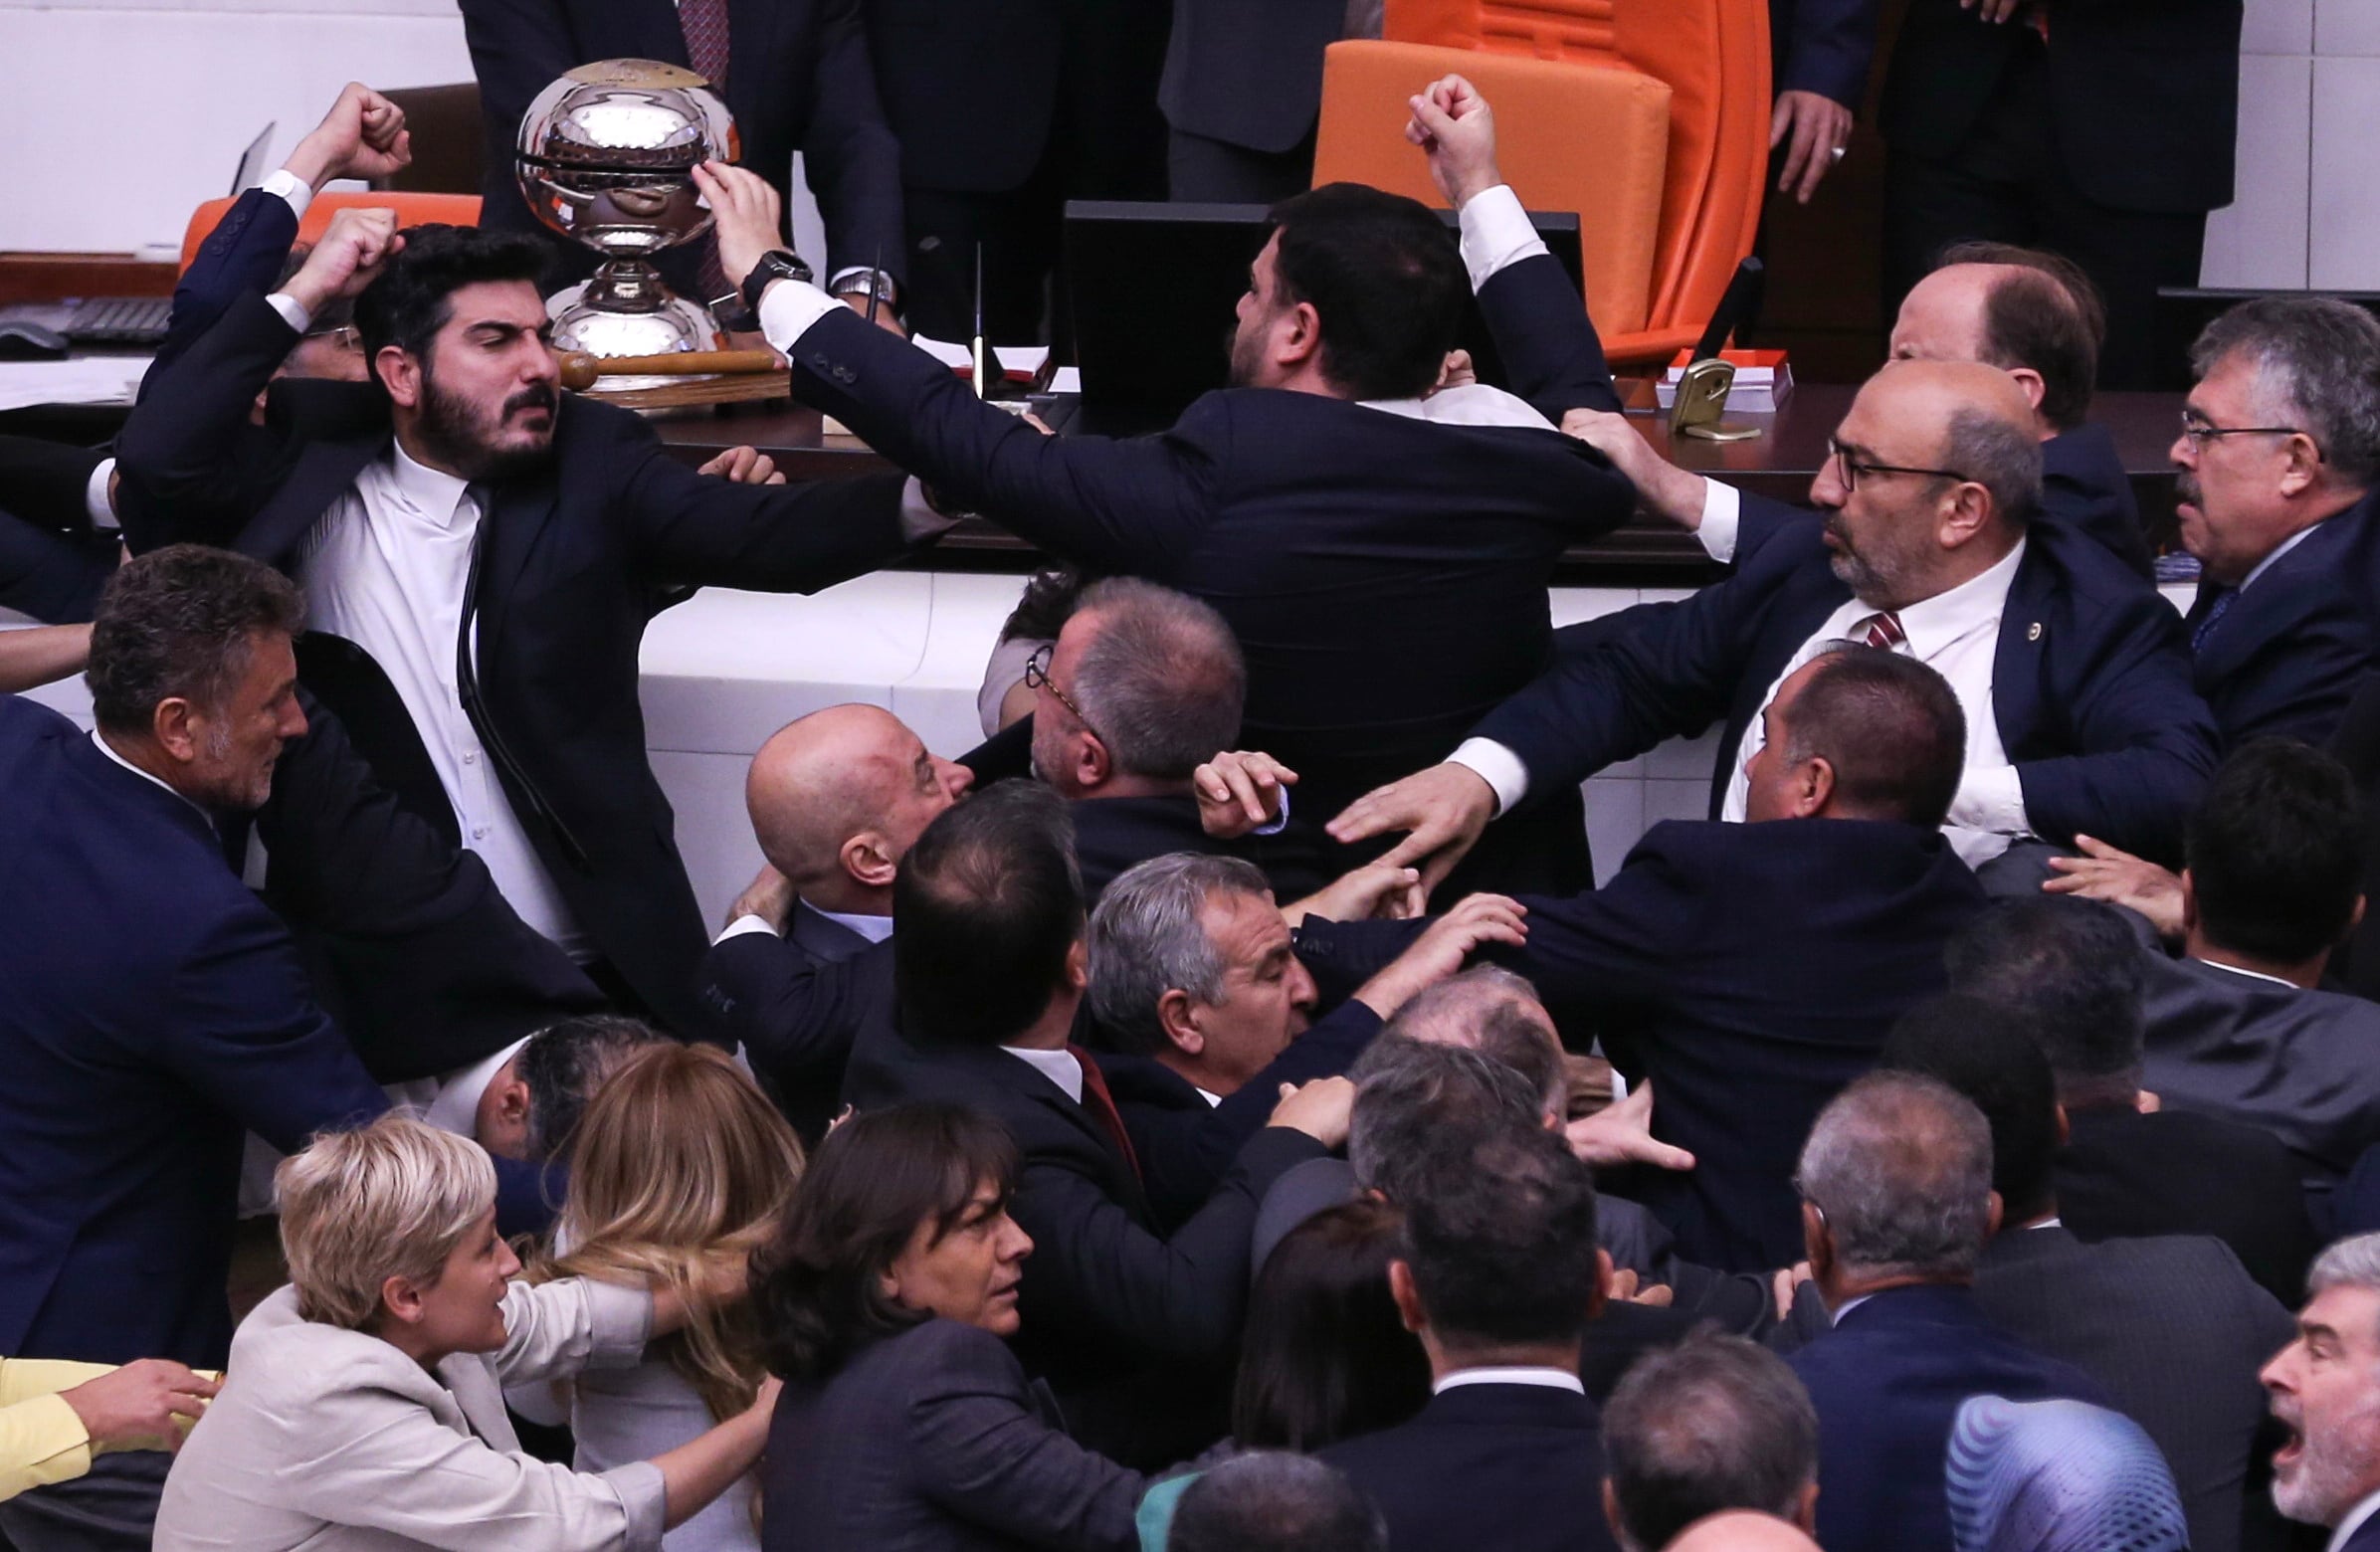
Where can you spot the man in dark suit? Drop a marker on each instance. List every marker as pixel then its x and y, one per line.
pixel 1004 111
pixel 2240 1026
pixel 1241 93
pixel 2104 132
pixel 1383 563
pixel 795 74
pixel 1196 988
pixel 2071 971
pixel 54 554
pixel 1896 1189
pixel 2323 1394
pixel 484 657
pixel 1750 971
pixel 1129 1326
pixel 2072 673
pixel 2172 1324
pixel 1821 50
pixel 1501 1279
pixel 1716 1423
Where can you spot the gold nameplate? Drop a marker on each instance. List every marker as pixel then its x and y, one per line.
pixel 1702 401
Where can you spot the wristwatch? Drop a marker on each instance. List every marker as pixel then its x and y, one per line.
pixel 865 283
pixel 778 264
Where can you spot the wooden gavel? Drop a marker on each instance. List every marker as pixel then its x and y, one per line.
pixel 579 369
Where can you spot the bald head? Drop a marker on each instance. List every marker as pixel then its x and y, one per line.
pixel 838 797
pixel 2034 315
pixel 1741 1530
pixel 1497 1014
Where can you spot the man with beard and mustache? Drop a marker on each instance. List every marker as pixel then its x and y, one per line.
pixel 1381 552
pixel 482 554
pixel 2326 1390
pixel 2075 678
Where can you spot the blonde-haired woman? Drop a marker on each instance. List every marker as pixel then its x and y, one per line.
pixel 363 1409
pixel 678 1159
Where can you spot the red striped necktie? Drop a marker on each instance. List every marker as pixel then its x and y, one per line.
pixel 1102 1105
pixel 1880 629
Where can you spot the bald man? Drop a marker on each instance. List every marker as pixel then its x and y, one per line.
pixel 2075 678
pixel 836 798
pixel 1744 1530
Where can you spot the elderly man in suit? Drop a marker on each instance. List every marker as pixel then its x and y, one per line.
pixel 1501 1279
pixel 2072 972
pixel 1897 1205
pixel 1381 552
pixel 483 555
pixel 1750 971
pixel 2326 1390
pixel 2171 1325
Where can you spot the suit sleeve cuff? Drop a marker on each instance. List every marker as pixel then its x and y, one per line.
pixel 744 925
pixel 1991 800
pixel 618 1325
pixel 1495 765
pixel 292 311
pixel 1495 233
pixel 918 520
pixel 789 308
pixel 291 189
pixel 94 495
pixel 1723 511
pixel 1278 822
pixel 644 1494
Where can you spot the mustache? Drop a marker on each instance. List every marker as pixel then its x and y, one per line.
pixel 537 396
pixel 2185 488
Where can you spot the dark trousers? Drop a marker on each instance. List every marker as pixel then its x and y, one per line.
pixel 1214 171
pixel 2008 184
pixel 53 577
pixel 113 1508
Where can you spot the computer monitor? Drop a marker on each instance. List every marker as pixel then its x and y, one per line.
pixel 1152 289
pixel 2183 311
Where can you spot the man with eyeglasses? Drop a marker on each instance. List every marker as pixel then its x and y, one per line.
pixel 2073 677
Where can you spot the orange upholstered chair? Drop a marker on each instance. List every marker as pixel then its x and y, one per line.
pixel 1713 57
pixel 411 209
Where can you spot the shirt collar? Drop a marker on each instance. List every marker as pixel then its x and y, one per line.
pixel 108 750
pixel 2253 975
pixel 1851 1304
pixel 1549 1379
pixel 1933 624
pixel 433 493
pixel 1473 404
pixel 1058 1066
pixel 2279 550
pixel 2354 1520
pixel 456 1107
pixel 874 928
pixel 1212 1098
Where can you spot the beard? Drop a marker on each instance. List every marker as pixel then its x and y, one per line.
pixel 1246 348
pixel 1877 580
pixel 466 439
pixel 2329 1472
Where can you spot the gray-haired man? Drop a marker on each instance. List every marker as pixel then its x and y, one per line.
pixel 2325 1388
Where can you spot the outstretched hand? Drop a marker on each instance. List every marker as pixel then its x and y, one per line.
pixel 1456 130
pixel 349 258
pixel 362 137
pixel 2102 872
pixel 747 218
pixel 1442 810
pixel 1622 1134
pixel 1238 791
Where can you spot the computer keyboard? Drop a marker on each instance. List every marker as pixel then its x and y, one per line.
pixel 118 322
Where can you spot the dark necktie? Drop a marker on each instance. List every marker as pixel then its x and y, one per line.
pixel 705 24
pixel 1880 629
pixel 2204 627
pixel 1102 1105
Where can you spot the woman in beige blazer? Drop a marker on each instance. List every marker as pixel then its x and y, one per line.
pixel 364 1407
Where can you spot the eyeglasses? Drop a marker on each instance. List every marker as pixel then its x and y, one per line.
pixel 1853 469
pixel 346 336
pixel 2199 430
pixel 1037 677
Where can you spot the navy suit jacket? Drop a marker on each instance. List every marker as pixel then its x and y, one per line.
pixel 796 1004
pixel 1823 46
pixel 1887 1382
pixel 2287 654
pixel 575 559
pixel 241 257
pixel 157 1013
pixel 52 562
pixel 1751 972
pixel 2091 686
pixel 1516 1468
pixel 799 79
pixel 1386 576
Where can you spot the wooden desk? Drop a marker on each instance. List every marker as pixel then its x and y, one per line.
pixel 1641 553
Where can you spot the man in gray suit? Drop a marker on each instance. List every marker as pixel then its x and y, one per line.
pixel 2240 1027
pixel 2171 1325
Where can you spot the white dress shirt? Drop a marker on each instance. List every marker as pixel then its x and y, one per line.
pixel 386 569
pixel 874 928
pixel 1058 1066
pixel 456 1106
pixel 2354 1520
pixel 1528 1374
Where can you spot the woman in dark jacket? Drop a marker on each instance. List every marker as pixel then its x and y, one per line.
pixel 906 1424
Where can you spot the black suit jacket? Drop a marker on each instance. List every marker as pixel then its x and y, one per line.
pixel 1887 1382
pixel 796 1004
pixel 799 79
pixel 1134 1329
pixel 2122 1174
pixel 1751 972
pixel 2356 741
pixel 2091 686
pixel 52 563
pixel 2289 653
pixel 1112 835
pixel 572 563
pixel 2144 98
pixel 934 1441
pixel 1516 1467
pixel 1248 73
pixel 2176 1330
pixel 1185 1145
pixel 1386 577
pixel 2301 1065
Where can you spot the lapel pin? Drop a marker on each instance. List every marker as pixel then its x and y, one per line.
pixel 2033 632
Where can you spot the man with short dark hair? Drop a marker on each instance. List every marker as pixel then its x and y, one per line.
pixel 525 1102
pixel 1897 1204
pixel 2072 972
pixel 1381 552
pixel 2171 1325
pixel 1500 1279
pixel 483 553
pixel 1271 1501
pixel 1749 971
pixel 1129 1326
pixel 1716 1423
